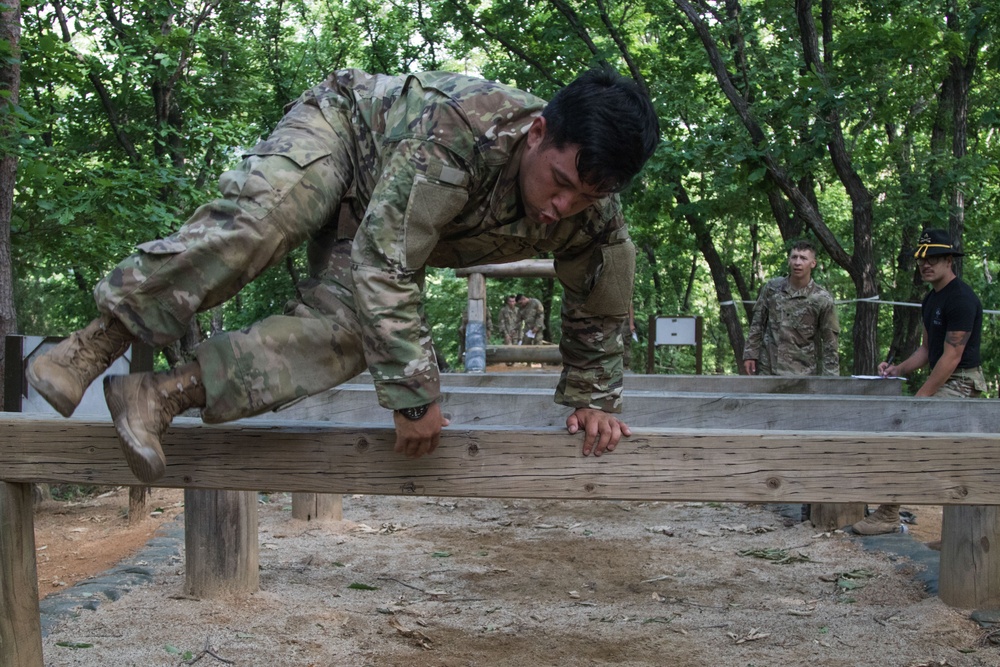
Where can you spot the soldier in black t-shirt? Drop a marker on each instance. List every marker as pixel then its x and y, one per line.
pixel 953 326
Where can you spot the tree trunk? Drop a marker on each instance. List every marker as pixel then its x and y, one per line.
pixel 10 81
pixel 728 311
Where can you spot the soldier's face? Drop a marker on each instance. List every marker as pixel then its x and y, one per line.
pixel 550 184
pixel 801 263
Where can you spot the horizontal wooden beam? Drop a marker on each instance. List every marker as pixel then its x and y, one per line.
pixel 654 464
pixel 539 354
pixel 488 406
pixel 717 384
pixel 525 268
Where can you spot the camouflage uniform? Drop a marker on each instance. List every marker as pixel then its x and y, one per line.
pixel 510 324
pixel 384 176
pixel 532 316
pixel 794 332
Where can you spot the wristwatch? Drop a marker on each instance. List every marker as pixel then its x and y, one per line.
pixel 414 414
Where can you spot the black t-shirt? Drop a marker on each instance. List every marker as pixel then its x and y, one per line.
pixel 955 308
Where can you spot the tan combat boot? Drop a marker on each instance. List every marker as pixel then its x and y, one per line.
pixel 62 374
pixel 143 405
pixel 883 520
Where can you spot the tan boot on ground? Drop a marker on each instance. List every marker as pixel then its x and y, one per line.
pixel 143 405
pixel 883 520
pixel 62 374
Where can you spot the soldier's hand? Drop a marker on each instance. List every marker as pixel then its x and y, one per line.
pixel 750 366
pixel 602 431
pixel 417 438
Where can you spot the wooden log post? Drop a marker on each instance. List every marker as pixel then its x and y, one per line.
pixel 317 506
pixel 538 354
pixel 525 268
pixel 970 564
pixel 220 535
pixel 833 516
pixel 475 329
pixel 20 622
pixel 138 496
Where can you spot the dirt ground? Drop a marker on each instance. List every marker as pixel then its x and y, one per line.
pixel 444 582
pixel 77 539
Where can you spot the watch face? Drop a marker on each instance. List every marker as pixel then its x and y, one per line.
pixel 413 414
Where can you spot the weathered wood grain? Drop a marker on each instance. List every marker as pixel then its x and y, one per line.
pixel 525 268
pixel 20 626
pixel 655 464
pixel 538 354
pixel 485 406
pixel 222 553
pixel 719 384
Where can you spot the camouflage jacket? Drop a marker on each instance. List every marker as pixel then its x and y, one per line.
pixel 510 321
pixel 532 314
pixel 436 163
pixel 794 332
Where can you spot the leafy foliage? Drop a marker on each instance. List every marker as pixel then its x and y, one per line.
pixel 131 109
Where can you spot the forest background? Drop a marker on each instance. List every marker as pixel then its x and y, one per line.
pixel 854 124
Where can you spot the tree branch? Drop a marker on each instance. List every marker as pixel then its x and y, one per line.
pixel 102 91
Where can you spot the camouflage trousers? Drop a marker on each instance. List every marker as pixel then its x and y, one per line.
pixel 532 340
pixel 963 383
pixel 288 190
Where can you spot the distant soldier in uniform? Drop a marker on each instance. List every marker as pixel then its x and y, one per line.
pixel 510 321
pixel 953 329
pixel 531 316
pixel 382 176
pixel 795 329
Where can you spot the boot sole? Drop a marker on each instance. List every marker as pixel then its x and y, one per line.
pixel 868 532
pixel 146 464
pixel 48 391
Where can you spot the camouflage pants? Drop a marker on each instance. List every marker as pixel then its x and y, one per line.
pixel 287 191
pixel 963 383
pixel 532 340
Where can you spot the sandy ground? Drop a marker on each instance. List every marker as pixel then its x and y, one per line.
pixel 424 582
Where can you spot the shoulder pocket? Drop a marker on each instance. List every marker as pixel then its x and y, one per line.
pixel 431 205
pixel 612 290
pixel 300 150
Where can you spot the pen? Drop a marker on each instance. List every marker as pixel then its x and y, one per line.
pixel 888 362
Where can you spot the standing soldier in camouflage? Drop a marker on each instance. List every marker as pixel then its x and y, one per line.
pixel 382 176
pixel 531 315
pixel 795 328
pixel 510 323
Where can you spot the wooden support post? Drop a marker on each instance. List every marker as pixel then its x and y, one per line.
pixel 970 557
pixel 220 535
pixel 475 330
pixel 317 506
pixel 832 516
pixel 20 620
pixel 138 496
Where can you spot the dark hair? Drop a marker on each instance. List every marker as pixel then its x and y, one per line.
pixel 519 297
pixel 803 245
pixel 612 121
